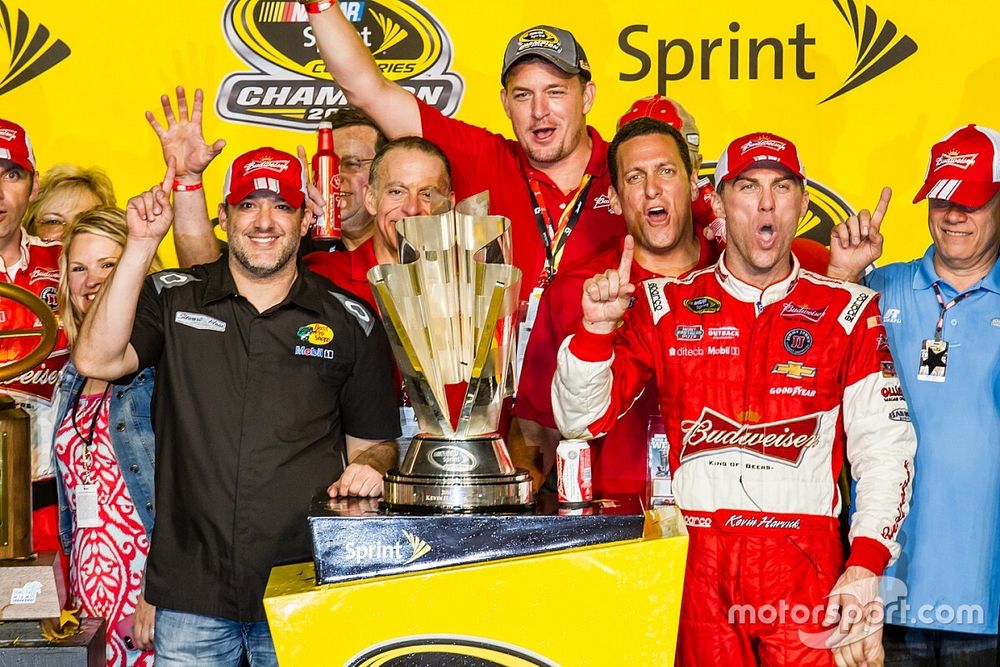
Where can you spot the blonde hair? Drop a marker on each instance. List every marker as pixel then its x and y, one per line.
pixel 106 221
pixel 63 177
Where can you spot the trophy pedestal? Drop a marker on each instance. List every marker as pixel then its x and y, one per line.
pixel 472 475
pixel 484 493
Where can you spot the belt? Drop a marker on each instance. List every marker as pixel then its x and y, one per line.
pixel 761 523
pixel 43 493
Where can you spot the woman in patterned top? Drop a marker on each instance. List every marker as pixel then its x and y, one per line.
pixel 103 452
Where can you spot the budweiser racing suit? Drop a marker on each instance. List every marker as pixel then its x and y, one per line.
pixel 38 272
pixel 759 392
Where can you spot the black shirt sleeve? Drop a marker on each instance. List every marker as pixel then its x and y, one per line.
pixel 147 330
pixel 368 401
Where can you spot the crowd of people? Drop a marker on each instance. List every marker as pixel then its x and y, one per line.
pixel 779 367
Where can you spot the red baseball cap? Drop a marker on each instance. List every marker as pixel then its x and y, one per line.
pixel 760 149
pixel 266 169
pixel 670 112
pixel 964 167
pixel 16 146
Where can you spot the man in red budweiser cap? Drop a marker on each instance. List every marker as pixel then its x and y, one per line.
pixel 272 384
pixel 791 380
pixel 813 255
pixel 33 264
pixel 941 316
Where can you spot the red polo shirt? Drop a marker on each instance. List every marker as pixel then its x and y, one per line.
pixel 481 160
pixel 619 458
pixel 347 269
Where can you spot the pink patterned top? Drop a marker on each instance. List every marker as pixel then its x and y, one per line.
pixel 107 562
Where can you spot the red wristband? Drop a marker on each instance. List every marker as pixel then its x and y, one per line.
pixel 319 7
pixel 183 187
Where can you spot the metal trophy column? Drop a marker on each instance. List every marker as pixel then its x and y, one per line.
pixel 448 309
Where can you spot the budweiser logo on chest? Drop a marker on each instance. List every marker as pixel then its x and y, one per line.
pixel 41 380
pixel 783 441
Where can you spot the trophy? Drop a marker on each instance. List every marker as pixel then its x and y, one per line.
pixel 449 308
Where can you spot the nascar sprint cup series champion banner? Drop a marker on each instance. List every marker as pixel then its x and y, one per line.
pixel 864 88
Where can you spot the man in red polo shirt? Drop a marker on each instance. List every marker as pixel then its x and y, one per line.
pixel 33 264
pixel 655 182
pixel 552 182
pixel 409 176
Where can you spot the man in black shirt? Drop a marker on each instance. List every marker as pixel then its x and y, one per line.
pixel 271 383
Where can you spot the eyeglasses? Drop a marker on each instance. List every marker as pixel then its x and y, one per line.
pixel 353 165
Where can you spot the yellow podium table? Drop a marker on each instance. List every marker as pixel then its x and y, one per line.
pixel 602 606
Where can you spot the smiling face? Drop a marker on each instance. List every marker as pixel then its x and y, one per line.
pixel 966 240
pixel 547 109
pixel 763 206
pixel 407 182
pixel 59 209
pixel 90 258
pixel 355 147
pixel 263 232
pixel 654 194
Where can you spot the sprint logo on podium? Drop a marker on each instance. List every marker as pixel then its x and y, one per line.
pixel 387 553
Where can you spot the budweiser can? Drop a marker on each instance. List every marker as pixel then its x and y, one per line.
pixel 573 470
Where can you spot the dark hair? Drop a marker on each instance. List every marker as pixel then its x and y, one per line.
pixel 350 117
pixel 412 143
pixel 641 127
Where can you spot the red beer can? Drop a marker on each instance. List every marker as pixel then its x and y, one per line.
pixel 574 472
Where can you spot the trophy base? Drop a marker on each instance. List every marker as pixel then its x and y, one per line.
pixel 426 494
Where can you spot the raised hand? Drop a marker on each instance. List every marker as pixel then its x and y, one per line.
pixel 314 202
pixel 183 139
pixel 149 214
pixel 856 243
pixel 607 295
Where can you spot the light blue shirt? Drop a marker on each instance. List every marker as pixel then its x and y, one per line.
pixel 950 561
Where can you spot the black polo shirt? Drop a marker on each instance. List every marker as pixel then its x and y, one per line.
pixel 250 411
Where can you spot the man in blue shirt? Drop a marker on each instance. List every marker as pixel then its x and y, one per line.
pixel 942 316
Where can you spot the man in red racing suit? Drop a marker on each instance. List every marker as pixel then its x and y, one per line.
pixel 764 387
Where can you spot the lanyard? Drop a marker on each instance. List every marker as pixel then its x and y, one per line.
pixel 945 307
pixel 554 238
pixel 88 440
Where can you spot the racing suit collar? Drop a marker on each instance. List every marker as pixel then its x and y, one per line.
pixel 750 294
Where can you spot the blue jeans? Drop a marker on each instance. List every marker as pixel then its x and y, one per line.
pixel 193 639
pixel 916 647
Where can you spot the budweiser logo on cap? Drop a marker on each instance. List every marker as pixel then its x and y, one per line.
pixel 265 163
pixel 955 159
pixel 7 134
pixel 762 142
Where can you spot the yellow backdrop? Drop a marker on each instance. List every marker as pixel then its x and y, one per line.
pixel 901 74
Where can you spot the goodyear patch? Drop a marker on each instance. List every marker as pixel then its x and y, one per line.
pixel 315 333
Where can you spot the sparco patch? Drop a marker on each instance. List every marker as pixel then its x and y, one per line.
pixel 290 86
pixel 658 305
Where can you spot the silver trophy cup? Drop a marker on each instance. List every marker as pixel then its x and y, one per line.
pixel 449 308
